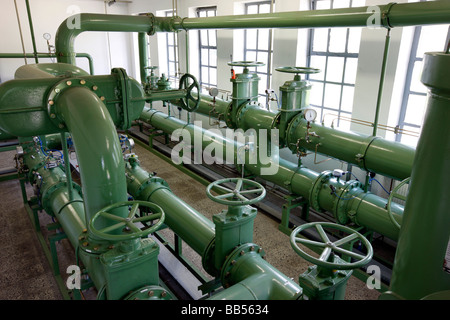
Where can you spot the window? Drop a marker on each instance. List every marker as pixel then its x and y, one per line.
pixel 335 52
pixel 258 46
pixel 172 51
pixel 413 106
pixel 208 51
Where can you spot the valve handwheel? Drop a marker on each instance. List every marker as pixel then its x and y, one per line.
pixel 331 247
pixel 235 197
pixel 189 83
pixel 298 70
pixel 246 64
pixel 394 194
pixel 108 233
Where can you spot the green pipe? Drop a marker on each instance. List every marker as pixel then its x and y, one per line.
pixel 393 15
pixel 195 229
pixel 382 77
pixel 367 210
pixel 143 56
pixel 33 40
pixel 98 150
pixel 389 158
pixel 252 278
pixel 48 55
pixel 424 233
pixel 67 165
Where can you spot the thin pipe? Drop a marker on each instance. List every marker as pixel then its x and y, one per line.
pixel 20 31
pixel 33 40
pixel 382 78
pixel 67 165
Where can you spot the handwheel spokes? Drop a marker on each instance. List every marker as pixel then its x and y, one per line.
pixel 110 216
pixel 225 196
pixel 238 185
pixel 322 233
pixel 133 210
pixel 349 253
pixel 148 218
pixel 309 242
pixel 345 239
pixel 325 254
pixel 113 227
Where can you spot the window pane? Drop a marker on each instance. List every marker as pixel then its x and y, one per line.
pixel 204 37
pixel 432 38
pixel 323 4
pixel 264 8
pixel 205 57
pixel 335 69
pixel 358 3
pixel 212 38
pixel 351 67
pixel 341 4
pixel 171 53
pixel 347 98
pixel 202 13
pixel 410 140
pixel 213 76
pixel 263 39
pixel 415 109
pixel 354 39
pixel 416 85
pixel 251 38
pixel 332 96
pixel 320 40
pixel 262 86
pixel 252 9
pixel 338 38
pixel 205 75
pixel 213 57
pixel 315 97
pixel 170 38
pixel 251 56
pixel 263 57
pixel 318 62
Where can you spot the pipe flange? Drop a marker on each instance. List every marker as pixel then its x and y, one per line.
pixel 228 117
pixel 90 246
pixel 58 89
pixel 292 126
pixel 234 256
pixel 240 113
pixel 150 293
pixel 208 259
pixel 346 193
pixel 49 192
pixel 152 180
pixel 315 190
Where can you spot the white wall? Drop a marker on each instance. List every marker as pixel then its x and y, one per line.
pixel 108 50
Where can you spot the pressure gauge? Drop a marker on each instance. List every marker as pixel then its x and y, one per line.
pixel 310 114
pixel 213 92
pixel 47 36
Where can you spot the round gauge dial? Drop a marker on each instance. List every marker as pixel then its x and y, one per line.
pixel 47 36
pixel 310 114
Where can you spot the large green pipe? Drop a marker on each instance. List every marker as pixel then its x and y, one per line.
pixel 143 56
pixel 389 158
pixel 194 228
pixel 425 233
pixel 393 15
pixel 98 149
pixel 366 209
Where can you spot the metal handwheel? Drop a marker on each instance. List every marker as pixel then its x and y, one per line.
pixel 188 83
pixel 235 197
pixel 246 64
pixel 156 212
pixel 393 195
pixel 298 70
pixel 331 247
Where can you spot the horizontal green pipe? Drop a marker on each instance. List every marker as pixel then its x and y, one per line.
pixel 48 55
pixel 397 15
pixel 194 228
pixel 389 158
pixel 48 70
pixel 366 209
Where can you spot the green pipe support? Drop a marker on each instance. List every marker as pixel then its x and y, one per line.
pixel 354 205
pixel 30 21
pixel 424 234
pixel 143 56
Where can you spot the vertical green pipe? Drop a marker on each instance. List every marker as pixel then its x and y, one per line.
pixel 98 149
pixel 424 234
pixel 67 165
pixel 32 31
pixel 382 76
pixel 143 56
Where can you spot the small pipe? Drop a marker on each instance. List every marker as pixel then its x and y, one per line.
pixel 67 166
pixel 382 77
pixel 32 31
pixel 20 31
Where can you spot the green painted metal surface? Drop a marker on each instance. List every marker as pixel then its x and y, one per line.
pixel 424 234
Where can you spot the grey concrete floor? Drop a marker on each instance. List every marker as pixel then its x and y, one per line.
pixel 26 274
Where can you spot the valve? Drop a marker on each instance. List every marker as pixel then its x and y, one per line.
pixel 328 278
pixel 134 231
pixel 189 83
pixel 235 197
